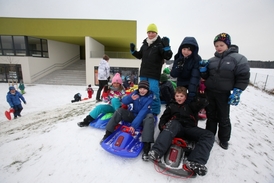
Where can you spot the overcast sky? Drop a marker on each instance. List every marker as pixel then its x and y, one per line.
pixel 250 23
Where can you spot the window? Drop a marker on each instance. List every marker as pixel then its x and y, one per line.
pixel 23 46
pixel 7 46
pixel 19 45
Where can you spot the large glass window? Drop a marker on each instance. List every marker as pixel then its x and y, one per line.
pixel 7 45
pixel 19 45
pixel 23 46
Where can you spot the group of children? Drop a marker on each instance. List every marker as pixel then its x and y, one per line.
pixel 227 70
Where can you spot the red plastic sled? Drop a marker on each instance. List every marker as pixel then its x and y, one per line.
pixel 8 113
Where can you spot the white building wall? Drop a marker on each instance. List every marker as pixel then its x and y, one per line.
pixel 33 68
pixel 60 55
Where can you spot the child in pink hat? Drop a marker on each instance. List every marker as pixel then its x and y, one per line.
pixel 112 95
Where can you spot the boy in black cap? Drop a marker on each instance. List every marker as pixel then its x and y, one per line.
pixel 140 114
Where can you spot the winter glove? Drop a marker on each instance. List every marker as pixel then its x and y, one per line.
pixel 203 65
pixel 165 42
pixel 25 102
pixel 132 48
pixel 234 98
pixel 108 78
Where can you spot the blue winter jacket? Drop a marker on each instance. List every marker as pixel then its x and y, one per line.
pixel 186 70
pixel 14 100
pixel 141 106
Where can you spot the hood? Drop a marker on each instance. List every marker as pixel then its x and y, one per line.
pixel 187 40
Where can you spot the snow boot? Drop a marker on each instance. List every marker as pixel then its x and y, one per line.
pixel 154 156
pixel 146 149
pixel 197 168
pixel 224 145
pixel 107 134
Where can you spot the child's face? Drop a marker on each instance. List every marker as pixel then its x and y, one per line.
pixel 12 92
pixel 151 35
pixel 186 52
pixel 220 46
pixel 180 98
pixel 142 91
pixel 116 85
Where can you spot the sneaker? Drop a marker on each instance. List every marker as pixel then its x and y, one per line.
pixel 145 156
pixel 197 168
pixel 153 155
pixel 82 124
pixel 224 145
pixel 19 115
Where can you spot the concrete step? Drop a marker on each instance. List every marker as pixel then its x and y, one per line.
pixel 74 74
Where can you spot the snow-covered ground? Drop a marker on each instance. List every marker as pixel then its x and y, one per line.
pixel 45 144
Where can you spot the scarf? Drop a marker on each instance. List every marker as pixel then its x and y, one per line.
pixel 150 41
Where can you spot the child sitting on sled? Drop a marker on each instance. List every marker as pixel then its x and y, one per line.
pixel 140 115
pixel 180 120
pixel 112 95
pixel 14 99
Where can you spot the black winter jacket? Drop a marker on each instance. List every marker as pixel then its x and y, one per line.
pixel 186 114
pixel 153 57
pixel 227 71
pixel 186 70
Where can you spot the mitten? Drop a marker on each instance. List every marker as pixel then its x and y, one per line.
pixel 132 48
pixel 202 87
pixel 165 42
pixel 203 65
pixel 234 98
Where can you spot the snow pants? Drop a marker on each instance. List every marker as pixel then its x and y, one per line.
pixel 154 86
pixel 217 113
pixel 125 115
pixel 101 108
pixel 204 140
pixel 17 110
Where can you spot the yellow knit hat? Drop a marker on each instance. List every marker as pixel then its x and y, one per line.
pixel 152 28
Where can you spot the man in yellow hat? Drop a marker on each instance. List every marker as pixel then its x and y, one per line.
pixel 153 52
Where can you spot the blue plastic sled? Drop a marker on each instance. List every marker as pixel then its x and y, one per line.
pixel 101 121
pixel 122 143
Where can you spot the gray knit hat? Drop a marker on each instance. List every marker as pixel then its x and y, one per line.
pixel 143 84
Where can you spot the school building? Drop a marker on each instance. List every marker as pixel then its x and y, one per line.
pixel 31 48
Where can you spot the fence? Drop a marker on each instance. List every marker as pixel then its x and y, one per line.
pixel 262 81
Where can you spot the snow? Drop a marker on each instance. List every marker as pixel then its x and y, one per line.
pixel 45 144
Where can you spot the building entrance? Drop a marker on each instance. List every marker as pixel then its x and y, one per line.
pixel 10 73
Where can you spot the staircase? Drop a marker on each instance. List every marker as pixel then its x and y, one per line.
pixel 74 74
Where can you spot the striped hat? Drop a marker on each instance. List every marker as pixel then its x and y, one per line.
pixel 143 84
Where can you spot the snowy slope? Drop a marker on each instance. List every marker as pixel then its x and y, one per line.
pixel 45 144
